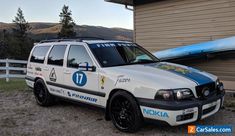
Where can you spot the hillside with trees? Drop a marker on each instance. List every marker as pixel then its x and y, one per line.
pixel 40 31
pixel 17 38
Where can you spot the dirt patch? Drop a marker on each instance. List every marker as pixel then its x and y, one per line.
pixel 229 102
pixel 21 116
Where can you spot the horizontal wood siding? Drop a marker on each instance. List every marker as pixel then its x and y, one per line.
pixel 220 64
pixel 171 23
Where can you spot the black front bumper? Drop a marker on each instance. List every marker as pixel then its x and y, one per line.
pixel 180 105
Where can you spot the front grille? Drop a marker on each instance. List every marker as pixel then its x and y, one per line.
pixel 208 110
pixel 200 88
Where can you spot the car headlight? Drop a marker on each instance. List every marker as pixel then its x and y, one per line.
pixel 217 82
pixel 164 95
pixel 174 94
pixel 219 86
pixel 183 93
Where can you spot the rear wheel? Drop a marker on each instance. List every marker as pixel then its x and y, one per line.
pixel 42 95
pixel 125 112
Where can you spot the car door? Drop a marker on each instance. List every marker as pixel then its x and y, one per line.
pixel 82 84
pixel 54 70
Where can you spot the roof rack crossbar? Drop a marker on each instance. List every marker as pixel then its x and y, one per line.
pixel 76 39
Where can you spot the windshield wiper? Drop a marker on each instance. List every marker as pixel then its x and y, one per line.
pixel 144 61
pixel 140 62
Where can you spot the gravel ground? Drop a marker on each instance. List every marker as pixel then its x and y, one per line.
pixel 21 116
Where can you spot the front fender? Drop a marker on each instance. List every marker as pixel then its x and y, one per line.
pixel 137 88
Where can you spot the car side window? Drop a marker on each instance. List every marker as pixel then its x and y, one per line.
pixel 78 55
pixel 39 54
pixel 56 56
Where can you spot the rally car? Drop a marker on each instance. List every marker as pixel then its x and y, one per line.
pixel 130 83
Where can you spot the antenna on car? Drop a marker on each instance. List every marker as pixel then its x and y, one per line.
pixel 76 39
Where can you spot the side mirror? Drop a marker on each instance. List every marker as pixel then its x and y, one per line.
pixel 84 66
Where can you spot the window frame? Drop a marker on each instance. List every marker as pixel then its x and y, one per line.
pixel 47 59
pixel 66 65
pixel 45 56
pixel 101 65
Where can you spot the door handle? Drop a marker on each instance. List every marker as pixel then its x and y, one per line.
pixel 46 68
pixel 67 72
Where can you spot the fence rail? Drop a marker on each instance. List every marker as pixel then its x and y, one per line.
pixel 12 69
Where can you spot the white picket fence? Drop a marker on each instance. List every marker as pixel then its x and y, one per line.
pixel 11 65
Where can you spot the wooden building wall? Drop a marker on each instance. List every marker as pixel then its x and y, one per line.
pixel 171 23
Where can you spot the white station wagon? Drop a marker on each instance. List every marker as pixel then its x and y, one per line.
pixel 130 83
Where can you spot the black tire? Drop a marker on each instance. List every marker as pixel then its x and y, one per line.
pixel 125 112
pixel 42 95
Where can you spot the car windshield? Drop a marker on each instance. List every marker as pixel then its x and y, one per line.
pixel 118 54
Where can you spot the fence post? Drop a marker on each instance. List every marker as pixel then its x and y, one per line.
pixel 7 70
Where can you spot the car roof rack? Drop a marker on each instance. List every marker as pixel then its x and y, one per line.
pixel 76 39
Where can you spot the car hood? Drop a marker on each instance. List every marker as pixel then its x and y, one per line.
pixel 167 75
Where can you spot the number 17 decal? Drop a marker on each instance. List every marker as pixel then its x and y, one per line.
pixel 79 78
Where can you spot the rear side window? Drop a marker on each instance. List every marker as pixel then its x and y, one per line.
pixel 39 54
pixel 78 55
pixel 56 56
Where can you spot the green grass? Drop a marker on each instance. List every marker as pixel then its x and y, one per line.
pixel 13 84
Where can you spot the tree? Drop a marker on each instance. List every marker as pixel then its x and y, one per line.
pixel 67 23
pixel 3 44
pixel 20 44
pixel 21 25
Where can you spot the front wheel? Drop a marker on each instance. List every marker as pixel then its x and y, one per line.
pixel 42 95
pixel 125 112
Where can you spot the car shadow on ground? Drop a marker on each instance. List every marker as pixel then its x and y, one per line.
pixel 20 115
pixel 150 127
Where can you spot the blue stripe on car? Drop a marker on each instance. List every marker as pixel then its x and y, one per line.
pixel 191 74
